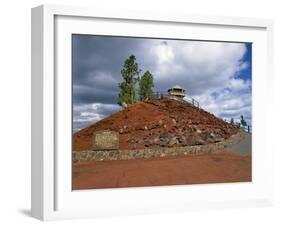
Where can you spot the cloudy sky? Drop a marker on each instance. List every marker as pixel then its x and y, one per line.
pixel 217 74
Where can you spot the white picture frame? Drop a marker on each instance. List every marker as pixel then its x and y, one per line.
pixel 51 160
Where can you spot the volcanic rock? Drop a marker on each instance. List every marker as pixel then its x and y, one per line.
pixel 158 122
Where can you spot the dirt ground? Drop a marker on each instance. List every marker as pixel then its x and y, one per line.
pixel 213 168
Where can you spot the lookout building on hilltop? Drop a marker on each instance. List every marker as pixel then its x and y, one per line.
pixel 176 92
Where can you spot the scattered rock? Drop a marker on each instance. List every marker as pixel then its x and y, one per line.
pixel 156 141
pixel 173 141
pixel 218 140
pixel 199 141
pixel 159 122
pixel 140 141
pixel 163 141
pixel 212 135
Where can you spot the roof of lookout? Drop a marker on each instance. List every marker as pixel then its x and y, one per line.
pixel 176 87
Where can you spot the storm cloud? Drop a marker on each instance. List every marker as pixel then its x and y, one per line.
pixel 217 74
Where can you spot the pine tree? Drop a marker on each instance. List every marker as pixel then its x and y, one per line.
pixel 242 121
pixel 146 86
pixel 130 75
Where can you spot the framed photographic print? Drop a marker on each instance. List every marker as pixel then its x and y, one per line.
pixel 135 112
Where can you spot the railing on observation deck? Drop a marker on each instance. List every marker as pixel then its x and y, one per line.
pixel 186 99
pixel 246 128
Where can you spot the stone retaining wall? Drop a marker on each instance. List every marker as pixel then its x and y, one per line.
pixel 85 156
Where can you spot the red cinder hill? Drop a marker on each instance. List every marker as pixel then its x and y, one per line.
pixel 158 122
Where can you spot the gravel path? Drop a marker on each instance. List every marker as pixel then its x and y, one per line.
pixel 244 147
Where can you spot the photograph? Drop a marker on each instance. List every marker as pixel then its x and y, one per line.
pixel 160 112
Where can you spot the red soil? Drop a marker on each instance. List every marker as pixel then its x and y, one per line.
pixel 214 168
pixel 148 123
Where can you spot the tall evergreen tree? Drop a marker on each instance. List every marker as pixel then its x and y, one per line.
pixel 242 121
pixel 146 86
pixel 130 75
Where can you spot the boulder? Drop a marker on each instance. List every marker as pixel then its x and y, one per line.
pixel 218 140
pixel 212 135
pixel 199 141
pixel 163 141
pixel 173 141
pixel 156 141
